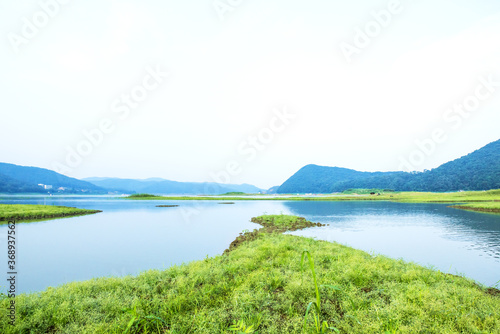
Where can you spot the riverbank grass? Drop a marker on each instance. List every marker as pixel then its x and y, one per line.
pixel 489 207
pixel 262 286
pixel 33 212
pixel 405 197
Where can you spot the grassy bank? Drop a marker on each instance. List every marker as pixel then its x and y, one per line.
pixel 455 197
pixel 32 212
pixel 489 207
pixel 410 197
pixel 261 285
pixel 489 201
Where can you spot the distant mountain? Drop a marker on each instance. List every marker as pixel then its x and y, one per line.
pixel 21 179
pixel 167 187
pixel 479 170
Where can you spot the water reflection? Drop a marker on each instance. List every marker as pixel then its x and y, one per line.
pixel 431 234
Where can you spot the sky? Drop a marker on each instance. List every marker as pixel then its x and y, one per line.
pixel 240 91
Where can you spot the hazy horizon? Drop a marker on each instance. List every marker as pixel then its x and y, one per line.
pixel 247 92
pixel 153 177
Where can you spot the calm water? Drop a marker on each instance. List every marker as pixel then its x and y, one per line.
pixel 133 236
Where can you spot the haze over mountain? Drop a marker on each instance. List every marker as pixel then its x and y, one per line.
pixel 168 187
pixel 479 170
pixel 22 179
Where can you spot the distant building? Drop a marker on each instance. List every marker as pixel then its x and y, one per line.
pixel 45 186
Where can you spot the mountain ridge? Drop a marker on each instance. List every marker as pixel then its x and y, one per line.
pixel 478 170
pixel 26 179
pixel 169 187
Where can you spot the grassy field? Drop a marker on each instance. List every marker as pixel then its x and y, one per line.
pixel 266 285
pixel 32 212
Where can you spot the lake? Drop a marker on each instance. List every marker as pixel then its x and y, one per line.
pixel 129 237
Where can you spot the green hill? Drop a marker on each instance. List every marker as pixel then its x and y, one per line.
pixel 479 170
pixel 320 179
pixel 10 185
pixel 21 179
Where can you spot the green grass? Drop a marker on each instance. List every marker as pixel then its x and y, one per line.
pixel 465 196
pixel 283 222
pixel 490 207
pixel 320 326
pixel 262 286
pixel 32 212
pixel 271 224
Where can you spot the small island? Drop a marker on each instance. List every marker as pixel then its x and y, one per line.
pixel 234 193
pixel 142 196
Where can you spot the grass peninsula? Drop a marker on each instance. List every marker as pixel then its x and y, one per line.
pixel 266 284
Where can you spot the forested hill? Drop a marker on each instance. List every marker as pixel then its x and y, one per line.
pixel 479 170
pixel 21 179
pixel 320 179
pixel 10 185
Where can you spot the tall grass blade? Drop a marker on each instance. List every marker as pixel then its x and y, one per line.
pixel 311 266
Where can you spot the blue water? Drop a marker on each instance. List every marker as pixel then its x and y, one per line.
pixel 129 237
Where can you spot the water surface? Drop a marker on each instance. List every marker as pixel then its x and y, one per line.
pixel 132 236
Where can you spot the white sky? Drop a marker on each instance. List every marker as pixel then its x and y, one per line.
pixel 227 76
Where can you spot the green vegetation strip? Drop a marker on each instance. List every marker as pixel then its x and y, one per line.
pixel 490 207
pixel 143 196
pixel 267 285
pixel 361 195
pixel 32 212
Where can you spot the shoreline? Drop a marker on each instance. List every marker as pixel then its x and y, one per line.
pixel 34 212
pixel 400 197
pixel 478 201
pixel 471 207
